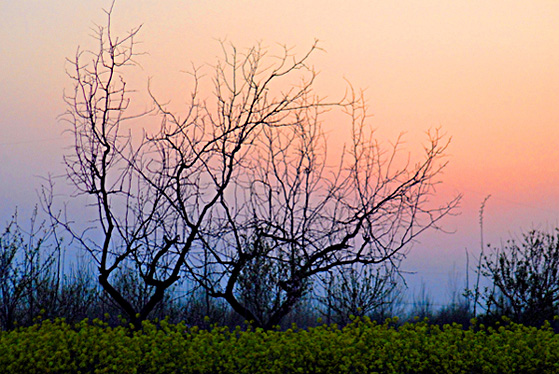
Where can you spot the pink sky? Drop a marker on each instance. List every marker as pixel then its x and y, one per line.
pixel 486 72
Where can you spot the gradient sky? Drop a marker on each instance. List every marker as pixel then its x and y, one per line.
pixel 486 72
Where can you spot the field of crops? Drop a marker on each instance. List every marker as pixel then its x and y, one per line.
pixel 362 347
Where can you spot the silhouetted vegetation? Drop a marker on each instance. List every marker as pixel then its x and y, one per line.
pixel 39 281
pixel 230 212
pixel 234 196
pixel 525 278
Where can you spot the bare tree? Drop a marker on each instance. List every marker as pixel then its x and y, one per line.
pixel 153 200
pixel 237 183
pixel 206 170
pixel 525 278
pixel 128 230
pixel 313 217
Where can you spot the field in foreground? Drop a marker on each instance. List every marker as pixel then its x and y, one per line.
pixel 361 347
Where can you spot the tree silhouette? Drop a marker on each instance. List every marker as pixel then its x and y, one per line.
pixel 525 278
pixel 239 183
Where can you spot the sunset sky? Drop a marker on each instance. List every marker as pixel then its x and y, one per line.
pixel 485 72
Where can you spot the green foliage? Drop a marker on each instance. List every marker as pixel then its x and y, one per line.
pixel 363 346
